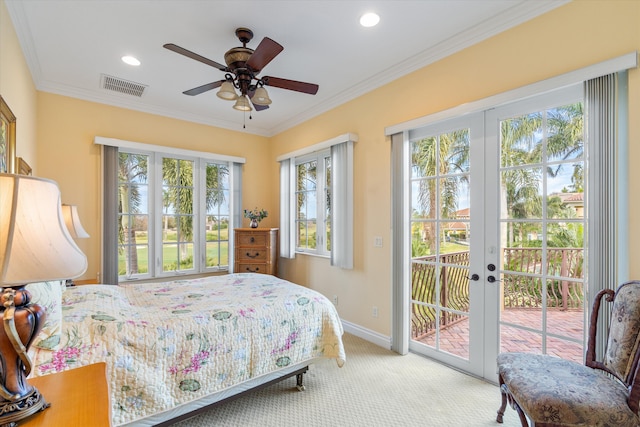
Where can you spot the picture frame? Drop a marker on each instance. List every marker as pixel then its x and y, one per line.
pixel 7 138
pixel 23 167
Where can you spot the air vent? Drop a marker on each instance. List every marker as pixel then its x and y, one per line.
pixel 123 86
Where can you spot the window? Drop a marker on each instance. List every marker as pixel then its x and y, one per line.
pixel 177 214
pixel 313 202
pixel 316 201
pixel 174 184
pixel 173 211
pixel 133 214
pixel 218 216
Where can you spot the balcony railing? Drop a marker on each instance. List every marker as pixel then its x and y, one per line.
pixel 522 291
pixel 522 286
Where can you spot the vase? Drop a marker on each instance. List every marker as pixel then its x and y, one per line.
pixel 253 223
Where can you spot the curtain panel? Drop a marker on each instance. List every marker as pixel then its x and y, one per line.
pixel 342 205
pixel 110 215
pixel 602 108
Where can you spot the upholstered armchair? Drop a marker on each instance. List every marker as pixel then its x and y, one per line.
pixel 549 391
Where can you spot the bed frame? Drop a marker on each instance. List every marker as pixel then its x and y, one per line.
pixel 206 403
pixel 122 326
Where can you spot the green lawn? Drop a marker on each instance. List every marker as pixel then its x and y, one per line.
pixel 170 252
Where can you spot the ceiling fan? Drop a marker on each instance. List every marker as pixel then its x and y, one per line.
pixel 242 69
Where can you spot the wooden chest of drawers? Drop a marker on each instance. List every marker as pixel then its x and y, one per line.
pixel 256 250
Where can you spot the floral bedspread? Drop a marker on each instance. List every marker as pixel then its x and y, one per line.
pixel 169 343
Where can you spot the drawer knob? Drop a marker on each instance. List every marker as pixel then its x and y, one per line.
pixel 253 239
pixel 253 256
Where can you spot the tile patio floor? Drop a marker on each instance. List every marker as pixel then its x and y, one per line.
pixel 454 338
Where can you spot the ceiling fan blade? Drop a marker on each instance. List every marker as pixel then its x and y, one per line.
pixel 259 107
pixel 189 54
pixel 264 53
pixel 198 90
pixel 303 87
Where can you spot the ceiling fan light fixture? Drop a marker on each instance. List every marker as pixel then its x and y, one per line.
pixel 242 104
pixel 240 80
pixel 261 97
pixel 227 92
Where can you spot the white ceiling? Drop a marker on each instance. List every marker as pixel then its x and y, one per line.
pixel 70 44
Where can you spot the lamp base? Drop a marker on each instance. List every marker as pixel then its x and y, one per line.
pixel 22 321
pixel 12 411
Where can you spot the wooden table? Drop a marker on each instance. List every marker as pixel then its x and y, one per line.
pixel 78 397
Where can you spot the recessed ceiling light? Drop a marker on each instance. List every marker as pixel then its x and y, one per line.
pixel 130 60
pixel 369 19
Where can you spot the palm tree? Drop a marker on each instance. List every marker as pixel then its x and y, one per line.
pixel 306 184
pixel 522 145
pixel 177 199
pixel 519 186
pixel 436 157
pixel 217 176
pixel 566 134
pixel 132 173
pixel 178 185
pixel 177 179
pixel 216 186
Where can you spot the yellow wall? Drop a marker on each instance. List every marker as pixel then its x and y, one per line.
pixel 576 35
pixel 573 36
pixel 17 89
pixel 67 154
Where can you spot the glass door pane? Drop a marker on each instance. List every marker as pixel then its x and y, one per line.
pixel 441 230
pixel 542 232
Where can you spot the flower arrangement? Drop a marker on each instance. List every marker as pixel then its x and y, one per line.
pixel 256 215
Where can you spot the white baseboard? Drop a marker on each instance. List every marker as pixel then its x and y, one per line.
pixel 367 334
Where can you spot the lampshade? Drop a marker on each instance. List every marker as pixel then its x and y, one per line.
pixel 35 244
pixel 227 92
pixel 261 97
pixel 72 221
pixel 242 104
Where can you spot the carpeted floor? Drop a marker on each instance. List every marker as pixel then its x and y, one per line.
pixel 375 387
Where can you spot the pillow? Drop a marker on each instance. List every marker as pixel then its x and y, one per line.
pixel 49 296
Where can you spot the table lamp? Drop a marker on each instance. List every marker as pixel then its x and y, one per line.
pixel 77 231
pixel 35 246
pixel 72 220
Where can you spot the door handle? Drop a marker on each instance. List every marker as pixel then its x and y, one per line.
pixel 491 267
pixel 492 279
pixel 474 277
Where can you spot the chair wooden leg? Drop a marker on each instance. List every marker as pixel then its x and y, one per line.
pixel 523 418
pixel 503 406
pixel 508 398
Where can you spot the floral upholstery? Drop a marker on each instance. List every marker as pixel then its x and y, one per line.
pixel 551 391
pixel 624 331
pixel 565 393
pixel 49 296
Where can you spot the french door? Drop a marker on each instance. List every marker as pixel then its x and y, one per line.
pixel 446 162
pixel 498 232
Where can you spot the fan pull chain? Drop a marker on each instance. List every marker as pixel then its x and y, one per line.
pixel 244 119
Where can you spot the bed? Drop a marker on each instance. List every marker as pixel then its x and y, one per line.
pixel 172 348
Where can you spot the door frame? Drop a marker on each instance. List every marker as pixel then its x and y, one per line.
pixel 398 133
pixel 477 160
pixel 493 119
